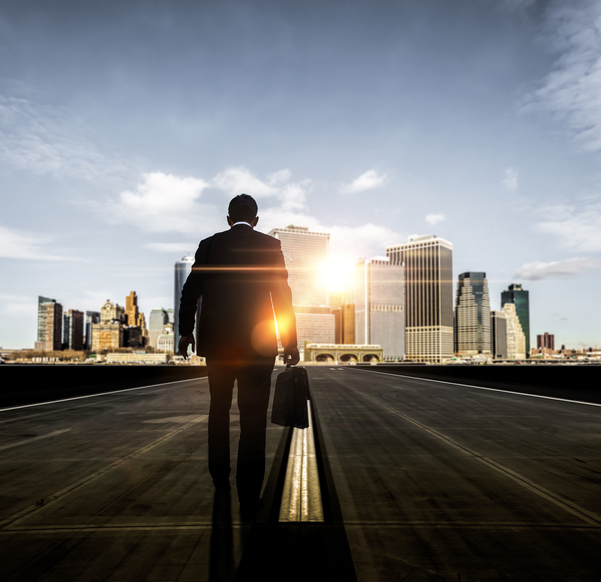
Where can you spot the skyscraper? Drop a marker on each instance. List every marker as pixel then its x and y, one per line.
pixel 516 341
pixel 158 319
pixel 91 318
pixel 306 255
pixel 379 306
pixel 520 298
pixel 472 314
pixel 73 322
pixel 182 269
pixel 428 262
pixel 498 335
pixel 50 325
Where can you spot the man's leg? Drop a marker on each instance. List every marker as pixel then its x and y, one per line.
pixel 221 384
pixel 254 385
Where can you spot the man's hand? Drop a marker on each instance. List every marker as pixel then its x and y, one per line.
pixel 184 342
pixel 291 356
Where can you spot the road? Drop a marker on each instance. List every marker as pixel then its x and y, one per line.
pixel 430 481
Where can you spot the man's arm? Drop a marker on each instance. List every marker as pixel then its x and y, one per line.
pixel 281 297
pixel 191 292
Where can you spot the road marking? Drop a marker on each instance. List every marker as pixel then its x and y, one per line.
pixel 483 388
pixel 33 439
pixel 70 488
pixel 565 504
pixel 99 394
pixel 301 498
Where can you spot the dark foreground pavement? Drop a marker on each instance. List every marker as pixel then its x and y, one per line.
pixel 421 480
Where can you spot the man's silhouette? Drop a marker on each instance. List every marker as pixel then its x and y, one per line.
pixel 241 278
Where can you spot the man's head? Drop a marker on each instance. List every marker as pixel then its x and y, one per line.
pixel 242 208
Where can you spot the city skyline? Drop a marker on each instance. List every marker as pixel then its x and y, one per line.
pixel 476 121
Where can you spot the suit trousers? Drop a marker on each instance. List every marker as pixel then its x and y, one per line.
pixel 254 385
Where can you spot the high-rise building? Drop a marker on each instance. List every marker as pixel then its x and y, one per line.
pixel 516 341
pixel 344 316
pixel 545 341
pixel 108 334
pixel 428 262
pixel 132 313
pixel 306 256
pixel 472 315
pixel 50 325
pixel 91 318
pixel 157 321
pixel 379 306
pixel 498 335
pixel 182 269
pixel 73 322
pixel 520 298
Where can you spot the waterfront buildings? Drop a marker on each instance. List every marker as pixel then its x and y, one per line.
pixel 516 340
pixel 73 324
pixel 545 341
pixel 498 335
pixel 108 333
pixel 306 256
pixel 428 262
pixel 157 320
pixel 472 315
pixel 91 318
pixel 50 325
pixel 520 298
pixel 182 269
pixel 379 306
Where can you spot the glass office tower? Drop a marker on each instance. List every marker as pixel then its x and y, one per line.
pixel 472 314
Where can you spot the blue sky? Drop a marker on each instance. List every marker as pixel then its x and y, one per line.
pixel 126 127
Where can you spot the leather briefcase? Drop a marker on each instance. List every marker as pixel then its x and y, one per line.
pixel 290 398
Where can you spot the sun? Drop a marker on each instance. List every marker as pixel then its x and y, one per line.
pixel 337 275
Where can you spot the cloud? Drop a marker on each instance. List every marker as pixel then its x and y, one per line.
pixel 511 179
pixel 576 228
pixel 173 248
pixel 278 187
pixel 571 91
pixel 16 244
pixel 162 203
pixel 537 270
pixel 367 181
pixel 45 141
pixel 434 219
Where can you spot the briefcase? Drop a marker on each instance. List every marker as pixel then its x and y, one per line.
pixel 290 398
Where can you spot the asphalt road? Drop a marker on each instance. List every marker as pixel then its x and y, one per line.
pixel 431 482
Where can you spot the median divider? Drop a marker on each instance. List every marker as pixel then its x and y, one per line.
pixel 300 534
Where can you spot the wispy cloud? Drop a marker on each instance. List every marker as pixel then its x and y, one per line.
pixel 367 181
pixel 510 181
pixel 537 270
pixel 577 228
pixel 38 138
pixel 173 248
pixel 16 244
pixel 571 90
pixel 434 219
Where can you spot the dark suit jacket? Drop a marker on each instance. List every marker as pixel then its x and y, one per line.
pixel 242 279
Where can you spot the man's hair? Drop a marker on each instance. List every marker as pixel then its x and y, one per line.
pixel 242 208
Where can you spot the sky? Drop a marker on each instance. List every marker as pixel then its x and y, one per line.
pixel 126 128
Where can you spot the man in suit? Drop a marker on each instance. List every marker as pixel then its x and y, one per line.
pixel 241 279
